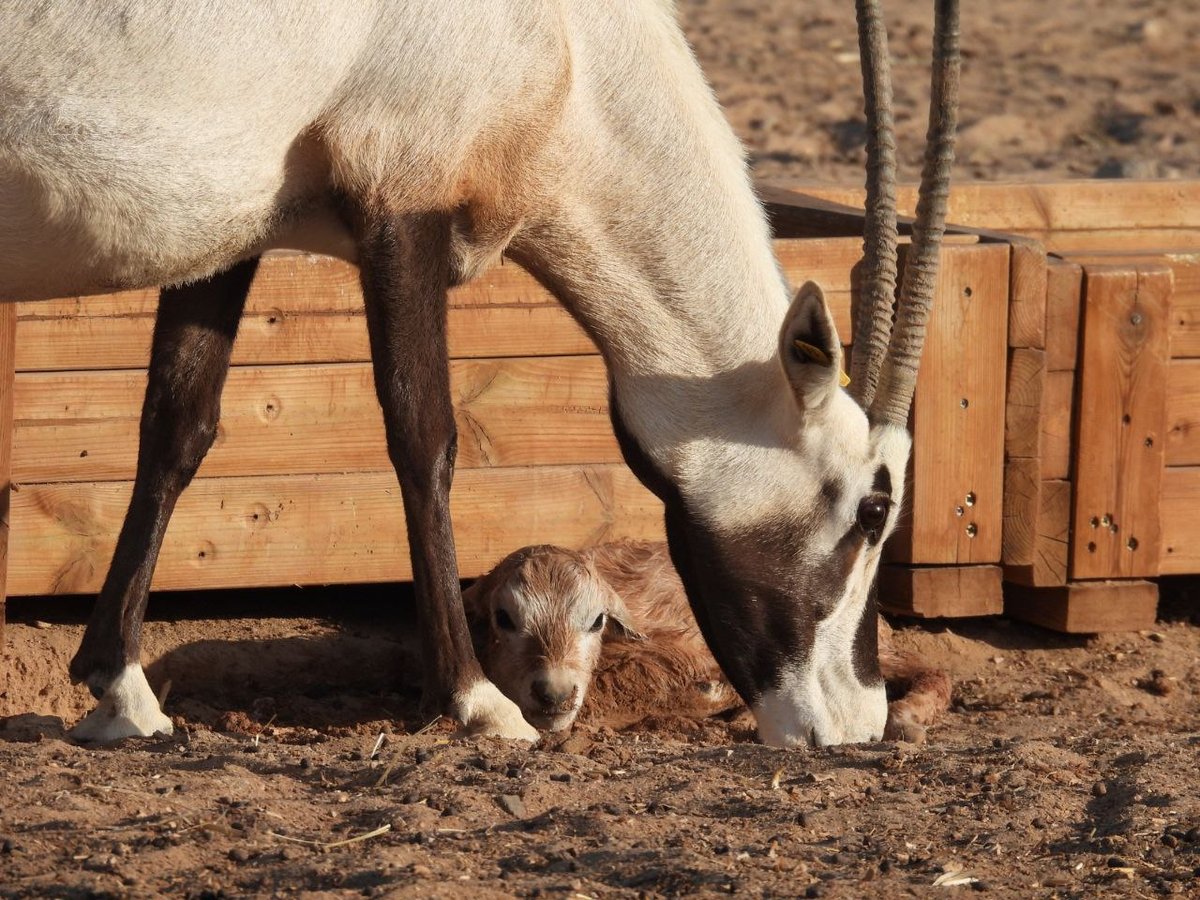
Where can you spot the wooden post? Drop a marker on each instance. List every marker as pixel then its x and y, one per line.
pixel 1122 429
pixel 1027 296
pixel 930 592
pixel 8 332
pixel 956 498
pixel 1085 607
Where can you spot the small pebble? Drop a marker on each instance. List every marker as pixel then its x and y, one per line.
pixel 1116 862
pixel 1192 836
pixel 1099 789
pixel 512 804
pixel 813 890
pixel 239 854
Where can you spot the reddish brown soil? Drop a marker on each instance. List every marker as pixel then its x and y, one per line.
pixel 1068 766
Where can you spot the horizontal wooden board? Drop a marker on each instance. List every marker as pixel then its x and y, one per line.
pixel 305 308
pixel 930 592
pixel 1085 607
pixel 1091 205
pixel 278 420
pixel 317 529
pixel 1179 513
pixel 271 337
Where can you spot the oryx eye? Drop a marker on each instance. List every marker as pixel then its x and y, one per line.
pixel 504 621
pixel 598 624
pixel 872 515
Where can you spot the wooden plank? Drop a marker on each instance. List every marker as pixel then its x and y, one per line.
pixel 305 308
pixel 958 414
pixel 1087 607
pixel 1183 412
pixel 1083 205
pixel 1023 405
pixel 1027 297
pixel 1051 531
pixel 1180 521
pixel 314 529
pixel 1064 299
pixel 1121 432
pixel 1057 416
pixel 273 337
pixel 932 592
pixel 278 420
pixel 8 331
pixel 1148 239
pixel 1022 506
pixel 1185 301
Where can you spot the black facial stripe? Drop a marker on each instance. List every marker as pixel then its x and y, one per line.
pixel 866 640
pixel 882 484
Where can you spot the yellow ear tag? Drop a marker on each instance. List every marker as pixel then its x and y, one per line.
pixel 817 355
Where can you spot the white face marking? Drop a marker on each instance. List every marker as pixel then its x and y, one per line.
pixel 545 649
pixel 483 710
pixel 128 709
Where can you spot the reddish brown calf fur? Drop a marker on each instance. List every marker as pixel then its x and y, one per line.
pixel 653 659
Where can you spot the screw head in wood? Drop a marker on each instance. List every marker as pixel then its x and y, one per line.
pixel 972 530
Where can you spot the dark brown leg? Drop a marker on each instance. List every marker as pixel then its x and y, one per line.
pixel 405 275
pixel 189 358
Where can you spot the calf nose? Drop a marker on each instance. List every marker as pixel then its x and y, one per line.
pixel 554 693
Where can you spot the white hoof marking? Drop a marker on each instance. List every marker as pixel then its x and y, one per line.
pixel 128 709
pixel 483 709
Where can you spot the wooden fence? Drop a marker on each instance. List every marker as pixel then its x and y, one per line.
pixel 1057 444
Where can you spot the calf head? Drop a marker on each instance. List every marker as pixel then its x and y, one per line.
pixel 539 619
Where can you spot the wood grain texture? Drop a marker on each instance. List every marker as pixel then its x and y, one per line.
pixel 1022 505
pixel 931 592
pixel 1024 402
pixel 279 420
pixel 8 331
pixel 1183 412
pixel 958 415
pixel 1064 301
pixel 1051 533
pixel 1087 607
pixel 317 529
pixel 1121 433
pixel 1083 205
pixel 1057 425
pixel 1180 512
pixel 1027 296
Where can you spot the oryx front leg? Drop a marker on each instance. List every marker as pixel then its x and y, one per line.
pixel 189 358
pixel 405 262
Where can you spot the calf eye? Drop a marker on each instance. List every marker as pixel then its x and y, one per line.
pixel 872 515
pixel 598 624
pixel 504 621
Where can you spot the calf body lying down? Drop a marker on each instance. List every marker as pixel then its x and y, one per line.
pixel 608 632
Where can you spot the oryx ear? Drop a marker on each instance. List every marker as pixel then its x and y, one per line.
pixel 810 350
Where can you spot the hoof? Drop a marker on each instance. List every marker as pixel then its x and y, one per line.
pixel 127 709
pixel 484 710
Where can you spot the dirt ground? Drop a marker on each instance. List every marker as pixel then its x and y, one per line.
pixel 1079 89
pixel 1067 766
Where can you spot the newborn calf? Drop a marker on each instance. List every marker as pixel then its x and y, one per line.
pixel 551 623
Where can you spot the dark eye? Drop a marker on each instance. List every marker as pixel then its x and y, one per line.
pixel 504 621
pixel 872 515
pixel 599 623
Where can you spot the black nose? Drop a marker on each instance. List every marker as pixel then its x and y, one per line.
pixel 553 693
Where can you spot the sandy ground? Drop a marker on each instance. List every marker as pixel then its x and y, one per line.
pixel 1067 767
pixel 1077 89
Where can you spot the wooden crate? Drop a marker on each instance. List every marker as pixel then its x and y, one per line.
pixel 298 488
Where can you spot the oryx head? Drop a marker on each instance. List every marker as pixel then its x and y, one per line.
pixel 778 540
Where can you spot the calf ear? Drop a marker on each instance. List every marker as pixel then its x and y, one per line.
pixel 809 349
pixel 620 622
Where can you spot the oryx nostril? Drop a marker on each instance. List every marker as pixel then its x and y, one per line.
pixel 553 693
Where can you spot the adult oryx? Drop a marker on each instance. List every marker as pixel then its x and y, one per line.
pixel 149 142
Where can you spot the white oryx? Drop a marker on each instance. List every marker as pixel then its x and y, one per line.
pixel 152 142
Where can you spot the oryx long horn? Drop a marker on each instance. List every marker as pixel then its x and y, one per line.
pixel 899 377
pixel 878 294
